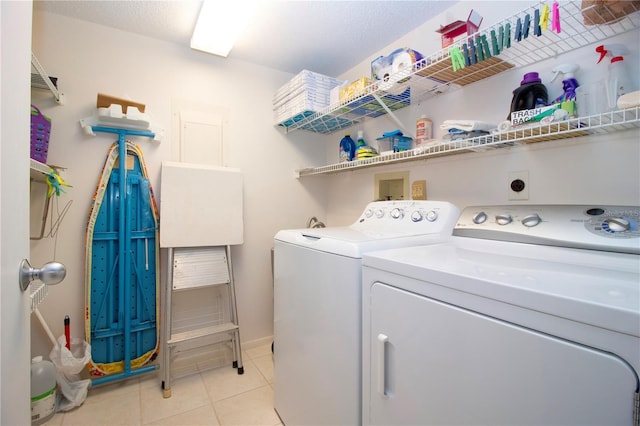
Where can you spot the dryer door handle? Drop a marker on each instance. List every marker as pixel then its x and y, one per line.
pixel 382 365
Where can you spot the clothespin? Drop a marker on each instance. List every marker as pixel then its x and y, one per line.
pixel 485 46
pixel 536 23
pixel 457 61
pixel 544 18
pixel 479 49
pixel 518 35
pixel 472 57
pixel 54 182
pixel 555 17
pixel 465 52
pixel 494 43
pixel 525 26
pixel 507 36
pixel 500 39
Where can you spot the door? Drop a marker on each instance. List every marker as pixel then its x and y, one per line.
pixel 15 36
pixel 434 363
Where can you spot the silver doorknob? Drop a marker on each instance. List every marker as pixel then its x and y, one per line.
pixel 51 273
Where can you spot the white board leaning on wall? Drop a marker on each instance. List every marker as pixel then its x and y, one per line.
pixel 200 205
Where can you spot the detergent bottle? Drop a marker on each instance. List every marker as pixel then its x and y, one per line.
pixel 531 93
pixel 363 150
pixel 347 149
pixel 569 86
pixel 618 81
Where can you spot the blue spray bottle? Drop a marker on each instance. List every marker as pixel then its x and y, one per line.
pixel 569 86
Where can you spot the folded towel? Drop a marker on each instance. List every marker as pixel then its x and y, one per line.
pixel 468 125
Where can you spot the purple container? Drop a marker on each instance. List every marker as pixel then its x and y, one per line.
pixel 40 131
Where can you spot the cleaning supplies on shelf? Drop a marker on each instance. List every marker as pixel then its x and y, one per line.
pixel 465 129
pixel 393 141
pixel 531 93
pixel 569 86
pixel 618 81
pixel 363 150
pixel 424 130
pixel 347 149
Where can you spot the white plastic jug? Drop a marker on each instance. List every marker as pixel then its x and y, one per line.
pixel 43 390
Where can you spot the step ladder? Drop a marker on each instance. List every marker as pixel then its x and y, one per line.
pixel 190 268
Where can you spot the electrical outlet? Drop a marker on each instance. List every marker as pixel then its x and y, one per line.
pixel 518 185
pixel 419 190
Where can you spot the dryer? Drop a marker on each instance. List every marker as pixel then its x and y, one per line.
pixel 317 305
pixel 527 315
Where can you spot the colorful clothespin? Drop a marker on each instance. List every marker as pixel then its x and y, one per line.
pixel 500 39
pixel 465 52
pixel 457 61
pixel 472 54
pixel 544 18
pixel 494 43
pixel 518 35
pixel 536 23
pixel 506 43
pixel 55 182
pixel 485 47
pixel 555 18
pixel 479 49
pixel 525 26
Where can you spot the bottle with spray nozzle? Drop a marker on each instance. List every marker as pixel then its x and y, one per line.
pixel 569 86
pixel 618 82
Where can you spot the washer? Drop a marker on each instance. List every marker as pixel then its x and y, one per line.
pixel 527 315
pixel 317 306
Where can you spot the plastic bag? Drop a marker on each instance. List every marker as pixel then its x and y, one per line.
pixel 69 364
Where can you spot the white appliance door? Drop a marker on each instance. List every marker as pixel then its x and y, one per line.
pixel 317 337
pixel 434 363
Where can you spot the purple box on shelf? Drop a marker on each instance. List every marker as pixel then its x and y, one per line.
pixel 40 131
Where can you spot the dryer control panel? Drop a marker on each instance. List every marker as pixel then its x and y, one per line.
pixel 607 228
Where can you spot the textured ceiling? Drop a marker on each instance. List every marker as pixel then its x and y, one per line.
pixel 328 37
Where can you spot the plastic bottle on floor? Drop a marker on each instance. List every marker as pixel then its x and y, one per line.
pixel 43 390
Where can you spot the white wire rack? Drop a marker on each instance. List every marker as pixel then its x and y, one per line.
pixel 609 122
pixel 434 74
pixel 41 80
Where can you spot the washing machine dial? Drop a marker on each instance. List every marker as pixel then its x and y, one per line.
pixel 503 219
pixel 479 218
pixel 617 224
pixel 397 213
pixel 431 215
pixel 531 220
pixel 368 213
pixel 379 213
pixel 416 216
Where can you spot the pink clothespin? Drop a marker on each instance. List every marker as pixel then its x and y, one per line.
pixel 555 18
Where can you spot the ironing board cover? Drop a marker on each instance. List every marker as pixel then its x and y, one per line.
pixel 104 319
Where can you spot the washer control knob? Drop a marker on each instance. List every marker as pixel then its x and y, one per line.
pixel 618 224
pixel 368 213
pixel 432 215
pixel 531 220
pixel 479 218
pixel 503 219
pixel 416 216
pixel 379 213
pixel 397 213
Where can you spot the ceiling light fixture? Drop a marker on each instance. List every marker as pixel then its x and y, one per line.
pixel 219 25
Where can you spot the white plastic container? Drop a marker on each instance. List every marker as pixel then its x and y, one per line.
pixel 424 131
pixel 43 390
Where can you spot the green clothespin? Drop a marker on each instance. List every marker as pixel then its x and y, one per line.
pixel 457 59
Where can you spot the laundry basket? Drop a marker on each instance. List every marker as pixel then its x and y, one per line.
pixel 40 131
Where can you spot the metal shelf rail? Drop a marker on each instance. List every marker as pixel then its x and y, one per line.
pixel 608 122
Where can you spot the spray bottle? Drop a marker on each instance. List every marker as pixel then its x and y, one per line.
pixel 618 82
pixel 569 86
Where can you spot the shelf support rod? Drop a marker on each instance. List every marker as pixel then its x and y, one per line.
pixel 36 64
pixel 392 115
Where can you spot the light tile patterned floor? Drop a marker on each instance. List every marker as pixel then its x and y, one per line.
pixel 213 397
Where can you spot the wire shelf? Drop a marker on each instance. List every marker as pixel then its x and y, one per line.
pixel 434 74
pixel 609 122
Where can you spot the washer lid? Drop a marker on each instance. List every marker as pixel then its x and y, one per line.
pixel 597 288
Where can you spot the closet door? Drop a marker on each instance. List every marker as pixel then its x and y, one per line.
pixel 434 363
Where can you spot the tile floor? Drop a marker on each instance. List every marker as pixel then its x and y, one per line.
pixel 216 396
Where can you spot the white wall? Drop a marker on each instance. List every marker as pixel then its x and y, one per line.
pixel 88 59
pixel 602 170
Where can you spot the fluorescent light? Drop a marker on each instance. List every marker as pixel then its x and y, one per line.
pixel 219 25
